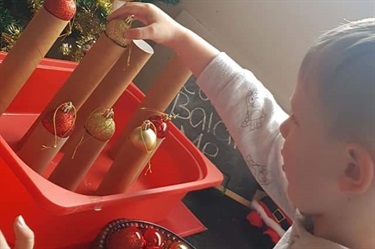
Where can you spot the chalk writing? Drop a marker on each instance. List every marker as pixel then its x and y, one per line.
pixel 201 120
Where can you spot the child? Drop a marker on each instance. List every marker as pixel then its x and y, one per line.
pixel 318 163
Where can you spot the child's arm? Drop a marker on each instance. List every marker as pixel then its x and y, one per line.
pixel 252 117
pixel 249 111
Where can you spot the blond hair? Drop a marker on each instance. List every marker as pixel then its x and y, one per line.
pixel 342 62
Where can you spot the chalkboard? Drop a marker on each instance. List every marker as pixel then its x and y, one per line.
pixel 199 121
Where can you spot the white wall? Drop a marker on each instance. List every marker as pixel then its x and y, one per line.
pixel 268 37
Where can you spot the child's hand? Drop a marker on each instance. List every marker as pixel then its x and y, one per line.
pixel 24 236
pixel 194 51
pixel 159 27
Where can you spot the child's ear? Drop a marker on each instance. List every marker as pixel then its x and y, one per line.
pixel 359 171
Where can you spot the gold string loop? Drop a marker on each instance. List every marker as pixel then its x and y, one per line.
pixel 149 169
pixel 165 116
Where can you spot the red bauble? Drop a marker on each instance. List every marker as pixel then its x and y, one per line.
pixel 153 238
pixel 63 122
pixel 129 238
pixel 62 9
pixel 160 125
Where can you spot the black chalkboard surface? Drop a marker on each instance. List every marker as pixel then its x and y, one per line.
pixel 199 121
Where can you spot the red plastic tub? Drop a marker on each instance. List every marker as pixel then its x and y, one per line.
pixel 64 219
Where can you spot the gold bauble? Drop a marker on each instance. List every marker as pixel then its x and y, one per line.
pixel 116 28
pixel 143 138
pixel 178 245
pixel 101 125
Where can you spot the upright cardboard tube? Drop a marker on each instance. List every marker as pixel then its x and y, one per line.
pixel 30 48
pixel 71 170
pixel 74 165
pixel 134 155
pixel 37 157
pixel 85 78
pixel 112 86
pixel 50 134
pixel 125 169
pixel 158 98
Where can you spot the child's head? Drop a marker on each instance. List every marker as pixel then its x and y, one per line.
pixel 329 148
pixel 344 73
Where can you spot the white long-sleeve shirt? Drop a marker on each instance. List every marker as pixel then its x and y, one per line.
pixel 253 117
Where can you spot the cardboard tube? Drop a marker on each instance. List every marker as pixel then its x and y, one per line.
pixel 84 79
pixel 113 85
pixel 70 171
pixel 76 162
pixel 126 168
pixel 31 47
pixel 158 98
pixel 33 153
pixel 50 134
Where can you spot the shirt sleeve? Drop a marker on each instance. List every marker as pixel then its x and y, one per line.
pixel 252 117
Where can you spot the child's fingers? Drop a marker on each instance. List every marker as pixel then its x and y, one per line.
pixel 24 235
pixel 145 33
pixel 3 242
pixel 135 33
